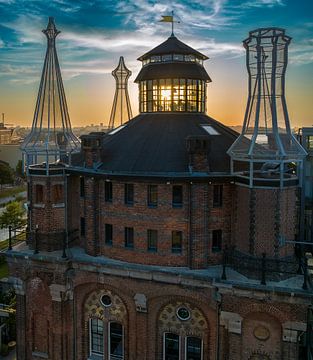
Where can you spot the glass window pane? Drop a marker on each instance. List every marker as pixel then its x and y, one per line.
pixel 216 240
pixel 152 195
pixel 96 336
pixel 193 348
pixel 177 237
pixel 129 237
pixel 177 196
pixel 152 239
pixel 171 347
pixel 108 189
pixel 108 234
pixel 116 341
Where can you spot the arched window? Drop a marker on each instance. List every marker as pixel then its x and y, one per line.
pixel 171 346
pixel 96 337
pixel 116 341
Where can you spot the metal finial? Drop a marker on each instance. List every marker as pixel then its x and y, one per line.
pixel 51 31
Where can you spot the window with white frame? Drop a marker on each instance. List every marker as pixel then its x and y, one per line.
pixel 176 347
pixel 171 346
pixel 96 336
pixel 115 340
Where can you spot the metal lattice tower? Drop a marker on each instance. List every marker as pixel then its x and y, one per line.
pixel 266 136
pixel 121 110
pixel 51 137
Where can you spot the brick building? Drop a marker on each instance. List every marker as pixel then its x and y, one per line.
pixel 148 245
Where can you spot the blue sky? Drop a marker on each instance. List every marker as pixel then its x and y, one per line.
pixel 95 33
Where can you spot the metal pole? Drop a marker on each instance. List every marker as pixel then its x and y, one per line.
pixel 263 280
pixel 36 240
pixel 224 264
pixel 10 237
pixel 305 273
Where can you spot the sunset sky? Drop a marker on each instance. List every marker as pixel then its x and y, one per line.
pixel 94 34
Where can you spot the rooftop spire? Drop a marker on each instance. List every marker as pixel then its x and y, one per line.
pixel 51 136
pixel 121 110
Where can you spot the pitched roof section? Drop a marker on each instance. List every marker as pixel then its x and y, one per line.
pixel 172 46
pixel 156 143
pixel 173 70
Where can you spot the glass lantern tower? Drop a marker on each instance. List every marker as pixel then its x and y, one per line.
pixel 172 79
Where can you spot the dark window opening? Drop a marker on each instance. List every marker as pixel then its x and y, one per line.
pixel 108 234
pixel 193 348
pixel 108 191
pixel 129 237
pixel 116 341
pixel 177 237
pixel 129 194
pixel 39 194
pixel 82 186
pixel 217 195
pixel 152 195
pixel 57 194
pixel 177 196
pixel 82 226
pixel 171 347
pixel 152 240
pixel 216 240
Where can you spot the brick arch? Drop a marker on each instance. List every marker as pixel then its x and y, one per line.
pixel 263 308
pixel 199 324
pixel 84 293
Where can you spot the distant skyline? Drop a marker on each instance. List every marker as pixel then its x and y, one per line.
pixel 94 34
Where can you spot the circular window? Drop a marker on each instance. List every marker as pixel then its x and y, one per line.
pixel 183 313
pixel 106 300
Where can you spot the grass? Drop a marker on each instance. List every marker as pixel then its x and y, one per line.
pixel 4 270
pixel 12 191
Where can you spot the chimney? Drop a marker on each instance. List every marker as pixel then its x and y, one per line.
pixel 198 148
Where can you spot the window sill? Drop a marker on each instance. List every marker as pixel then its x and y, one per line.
pixel 108 244
pixel 60 205
pixel 40 355
pixel 151 206
pixel 176 252
pixel 39 206
pixel 152 250
pixel 129 247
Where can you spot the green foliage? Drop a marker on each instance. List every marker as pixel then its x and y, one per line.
pixel 6 174
pixel 12 215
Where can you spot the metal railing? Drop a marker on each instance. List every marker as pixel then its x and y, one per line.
pixel 264 267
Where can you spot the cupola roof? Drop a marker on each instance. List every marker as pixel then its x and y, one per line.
pixel 172 46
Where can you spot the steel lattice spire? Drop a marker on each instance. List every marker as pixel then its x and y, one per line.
pixel 121 110
pixel 51 136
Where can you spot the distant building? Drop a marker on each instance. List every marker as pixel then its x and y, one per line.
pixel 167 238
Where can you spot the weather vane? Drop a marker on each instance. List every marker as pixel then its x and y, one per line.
pixel 170 18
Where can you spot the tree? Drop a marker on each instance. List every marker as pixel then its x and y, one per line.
pixel 6 174
pixel 12 215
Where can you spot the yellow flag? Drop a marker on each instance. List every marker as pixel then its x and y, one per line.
pixel 166 19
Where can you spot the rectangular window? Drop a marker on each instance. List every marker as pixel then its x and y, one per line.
pixel 96 336
pixel 82 226
pixel 152 236
pixel 216 240
pixel 177 237
pixel 193 348
pixel 116 346
pixel 39 194
pixel 108 234
pixel 171 350
pixel 217 195
pixel 152 195
pixel 177 196
pixel 108 191
pixel 129 237
pixel 82 186
pixel 57 194
pixel 129 194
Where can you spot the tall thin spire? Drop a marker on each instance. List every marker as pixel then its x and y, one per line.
pixel 121 109
pixel 51 137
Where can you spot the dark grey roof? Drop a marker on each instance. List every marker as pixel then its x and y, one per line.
pixel 172 46
pixel 171 70
pixel 156 143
